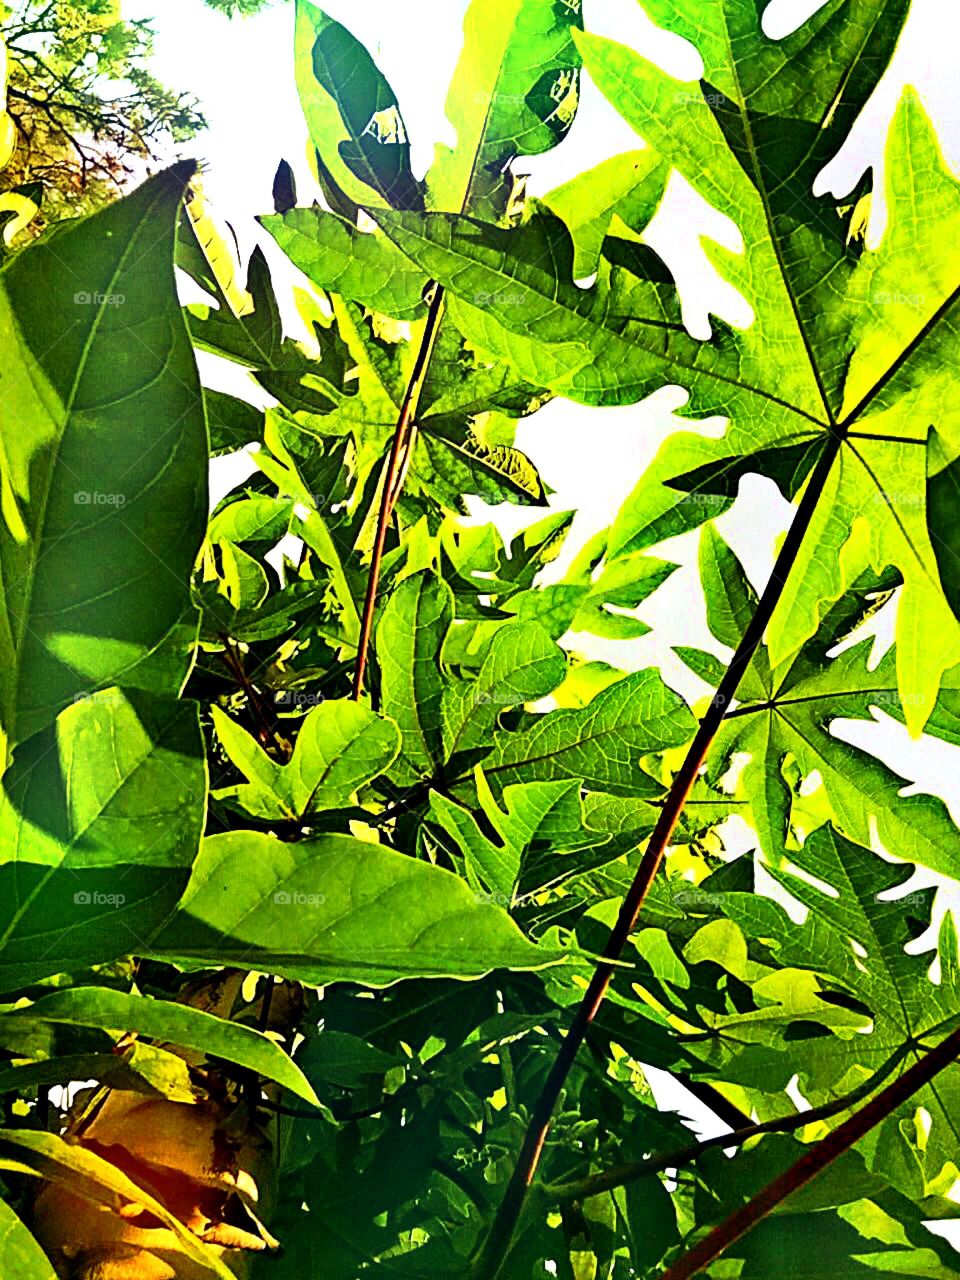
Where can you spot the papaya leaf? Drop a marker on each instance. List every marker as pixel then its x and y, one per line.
pixel 352 113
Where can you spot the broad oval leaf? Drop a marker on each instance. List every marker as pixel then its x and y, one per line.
pixel 104 479
pixel 338 908
pixel 352 113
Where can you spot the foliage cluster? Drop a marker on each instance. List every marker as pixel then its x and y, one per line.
pixel 308 856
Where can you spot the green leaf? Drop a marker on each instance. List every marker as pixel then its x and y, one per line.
pixel 603 744
pixel 104 481
pixel 619 195
pixel 20 1255
pixel 847 316
pixel 100 821
pixel 352 113
pixel 514 93
pixel 344 1060
pixel 943 503
pixel 788 713
pixel 337 908
pixel 232 423
pixel 545 813
pixel 140 1068
pixel 177 1023
pixel 409 638
pixel 846 889
pixel 522 664
pixel 450 468
pixel 340 747
pixel 361 266
pixel 251 520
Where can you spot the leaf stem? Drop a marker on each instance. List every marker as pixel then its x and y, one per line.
pixel 815 1160
pixel 494 1251
pixel 268 733
pixel 392 480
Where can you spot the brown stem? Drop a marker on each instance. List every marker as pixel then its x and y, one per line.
pixel 623 1174
pixel 391 492
pixel 816 1159
pixel 494 1251
pixel 268 733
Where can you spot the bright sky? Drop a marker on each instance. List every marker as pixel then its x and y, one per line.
pixel 242 72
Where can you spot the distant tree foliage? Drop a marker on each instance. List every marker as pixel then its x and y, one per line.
pixel 89 114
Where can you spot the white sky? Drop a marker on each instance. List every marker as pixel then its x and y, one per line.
pixel 242 71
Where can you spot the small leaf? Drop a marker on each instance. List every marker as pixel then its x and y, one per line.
pixel 340 747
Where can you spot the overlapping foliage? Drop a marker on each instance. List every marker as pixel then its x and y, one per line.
pixel 316 951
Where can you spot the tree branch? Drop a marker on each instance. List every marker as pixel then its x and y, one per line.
pixel 391 476
pixel 493 1253
pixel 814 1161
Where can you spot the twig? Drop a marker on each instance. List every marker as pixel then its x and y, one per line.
pixel 388 497
pixel 494 1251
pixel 268 733
pixel 816 1159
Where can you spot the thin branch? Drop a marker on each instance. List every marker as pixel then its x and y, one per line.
pixel 268 733
pixel 623 1174
pixel 494 1251
pixel 818 1158
pixel 388 498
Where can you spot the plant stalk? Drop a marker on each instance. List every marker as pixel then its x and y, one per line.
pixel 391 487
pixel 494 1252
pixel 816 1159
